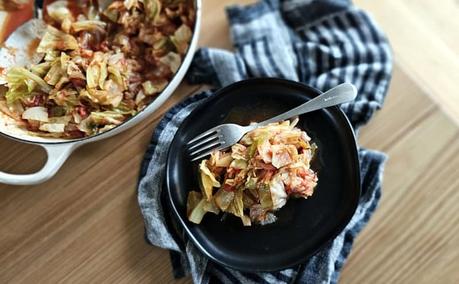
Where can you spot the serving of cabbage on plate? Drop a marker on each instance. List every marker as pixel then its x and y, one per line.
pixel 256 176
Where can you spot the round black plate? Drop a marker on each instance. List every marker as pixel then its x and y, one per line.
pixel 303 225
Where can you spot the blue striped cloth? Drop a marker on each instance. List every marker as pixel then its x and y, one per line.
pixel 318 42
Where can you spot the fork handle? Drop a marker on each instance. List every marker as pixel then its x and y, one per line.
pixel 342 93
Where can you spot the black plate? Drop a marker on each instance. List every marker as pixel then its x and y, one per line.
pixel 303 226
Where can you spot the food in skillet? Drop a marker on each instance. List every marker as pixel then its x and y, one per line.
pixel 99 67
pixel 256 176
pixel 12 5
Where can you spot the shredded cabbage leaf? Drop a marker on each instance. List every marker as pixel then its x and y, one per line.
pixel 21 83
pixel 56 40
pixel 89 25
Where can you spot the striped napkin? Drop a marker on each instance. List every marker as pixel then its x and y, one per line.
pixel 318 42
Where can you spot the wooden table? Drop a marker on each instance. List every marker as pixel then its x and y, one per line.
pixel 84 225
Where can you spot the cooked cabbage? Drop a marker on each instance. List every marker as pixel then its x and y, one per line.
pixel 152 9
pixel 173 60
pixel 36 113
pixel 89 25
pixel 56 40
pixel 59 10
pixel 207 180
pixel 22 82
pixel 258 175
pixel 181 38
pixel 100 66
pixel 198 207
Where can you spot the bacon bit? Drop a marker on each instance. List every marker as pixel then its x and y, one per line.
pixel 228 187
pixel 33 125
pixel 86 53
pixel 130 103
pixel 75 134
pixel 77 82
pixel 218 170
pixel 104 46
pixel 302 173
pixel 168 29
pixel 82 111
pixel 266 175
pixel 37 100
pixel 263 166
pixel 231 173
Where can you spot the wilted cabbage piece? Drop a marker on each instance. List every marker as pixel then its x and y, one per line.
pixel 152 10
pixel 237 206
pixel 116 76
pixel 193 199
pixel 89 25
pixel 22 82
pixel 13 110
pixel 264 194
pixel 239 152
pixel 96 120
pixel 113 11
pixel 239 164
pixel 246 220
pixel 210 206
pixel 59 10
pixel 41 69
pixel 66 98
pixel 104 97
pixel 55 73
pixel 224 198
pixel 207 180
pixel 36 113
pixel 198 212
pixel 74 72
pixel 278 194
pixel 181 38
pixel 53 127
pixel 220 160
pixel 173 60
pixel 198 208
pixel 149 88
pixel 56 40
pixel 259 174
pixel 97 71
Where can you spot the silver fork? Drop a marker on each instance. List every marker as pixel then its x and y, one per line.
pixel 225 135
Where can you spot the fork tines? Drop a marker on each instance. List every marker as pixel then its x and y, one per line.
pixel 203 144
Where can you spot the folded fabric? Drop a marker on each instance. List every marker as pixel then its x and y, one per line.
pixel 320 43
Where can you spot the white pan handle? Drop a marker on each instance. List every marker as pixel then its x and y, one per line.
pixel 57 155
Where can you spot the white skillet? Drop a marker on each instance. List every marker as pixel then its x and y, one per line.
pixel 58 150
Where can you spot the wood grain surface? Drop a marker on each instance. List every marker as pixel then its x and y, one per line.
pixel 425 39
pixel 84 225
